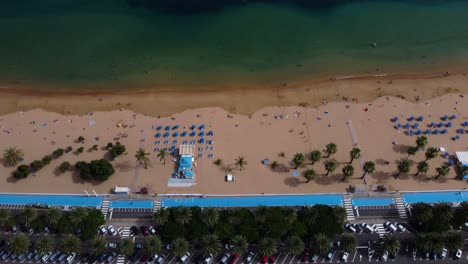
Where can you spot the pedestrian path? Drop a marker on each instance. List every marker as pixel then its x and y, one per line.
pixel 105 208
pixel 120 259
pixel 12 206
pixel 157 205
pixel 380 230
pixel 401 207
pixel 349 209
pixel 125 232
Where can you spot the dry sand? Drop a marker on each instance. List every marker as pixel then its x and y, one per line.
pixel 256 137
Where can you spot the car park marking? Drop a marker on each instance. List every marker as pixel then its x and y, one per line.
pixel 355 252
pixel 170 261
pixel 284 258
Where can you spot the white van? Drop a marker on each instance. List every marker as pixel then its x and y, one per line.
pixel 350 228
pixel 367 228
pixel 384 256
pixel 71 257
pixel 391 227
pixel 185 257
pixel 344 257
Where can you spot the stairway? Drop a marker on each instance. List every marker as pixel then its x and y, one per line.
pixel 157 205
pixel 349 209
pixel 105 208
pixel 380 230
pixel 401 207
pixel 120 259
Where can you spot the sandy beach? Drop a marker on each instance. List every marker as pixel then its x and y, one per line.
pixel 261 135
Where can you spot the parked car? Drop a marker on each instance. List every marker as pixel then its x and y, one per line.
pixel 62 257
pixel 71 257
pixel 185 257
pixel 112 230
pixel 384 256
pixel 358 228
pixel 234 258
pixel 78 232
pixel 101 258
pixel 150 260
pixel 391 227
pixel 443 253
pixel 31 254
pixel 111 257
pixel 37 257
pixel 161 258
pixel 208 259
pixel 21 257
pixel 14 229
pixel 102 230
pixel 272 259
pixel 112 245
pixel 305 257
pixel 6 255
pixel 54 256
pixel 144 230
pixel 350 228
pixel 152 230
pixel 134 231
pixel 367 228
pixel 46 257
pixel 458 254
pixel 250 257
pixel 264 259
pixel 314 258
pixel 344 257
pixel 433 255
pixel 225 258
pixel 330 255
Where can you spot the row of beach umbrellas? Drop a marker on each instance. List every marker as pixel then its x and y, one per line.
pixel 184 134
pixel 168 128
pixel 421 118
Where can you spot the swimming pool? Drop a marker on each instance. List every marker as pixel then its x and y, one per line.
pixel 55 200
pixel 251 201
pixel 131 204
pixel 372 201
pixel 436 197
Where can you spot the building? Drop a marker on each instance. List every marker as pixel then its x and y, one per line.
pixel 122 190
pixel 462 157
pixel 186 160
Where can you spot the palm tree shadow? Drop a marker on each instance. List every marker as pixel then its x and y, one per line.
pixel 330 179
pixel 124 166
pixel 292 181
pixel 382 177
pixel 402 149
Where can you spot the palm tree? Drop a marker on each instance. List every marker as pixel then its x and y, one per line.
pixel 77 215
pixel 71 244
pixel 330 166
pixel 152 245
pixel 234 216
pixel 369 168
pixel 443 170
pixel 53 216
pixel 330 149
pixel 310 215
pixel 268 247
pixel 44 244
pixel 422 212
pixel 261 214
pixel 355 153
pixel 421 142
pixel 403 167
pixel 423 244
pixel 423 167
pixel 348 171
pixel 98 245
pixel 180 246
pixel 309 175
pixel 240 244
pixel 315 156
pixel 210 244
pixel 443 211
pixel 289 215
pixel 142 157
pixel 240 163
pixel 322 243
pixel 161 216
pixel 453 241
pixel 412 150
pixel 218 162
pixel 4 216
pixel 19 244
pixel 349 243
pixel 340 214
pixel 298 160
pixel 183 215
pixel 294 245
pixel 391 243
pixel 431 153
pixel 162 155
pixel 209 216
pixel 28 215
pixel 126 247
pixel 12 156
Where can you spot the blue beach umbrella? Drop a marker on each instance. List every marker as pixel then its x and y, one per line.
pixel 436 132
pixel 416 125
pixel 210 133
pixel 395 119
pixel 192 134
pixel 175 127
pixel 411 132
pixel 412 118
pixel 184 134
pixel 462 131
pixel 446 155
pixel 444 131
pixel 399 125
pixel 432 124
pixel 158 135
pixel 173 147
pixel 408 125
pixel 451 162
pixel 176 134
pixel 202 127
pixel 419 132
pixel 445 117
pixel 453 117
pixel 167 128
pixel 441 124
pixel 193 127
pixel 465 123
pixel 185 142
pixel 421 118
pixel 449 124
pixel 166 134
pixel 457 137
pixel 202 134
pixel 159 128
pixel 428 132
pixel 202 140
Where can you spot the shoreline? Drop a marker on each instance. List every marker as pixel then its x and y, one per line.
pixel 240 99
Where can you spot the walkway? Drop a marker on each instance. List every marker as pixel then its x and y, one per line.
pixel 356 145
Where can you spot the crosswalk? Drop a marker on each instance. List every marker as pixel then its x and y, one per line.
pixel 105 208
pixel 349 209
pixel 401 207
pixel 380 230
pixel 12 206
pixel 125 232
pixel 120 259
pixel 157 205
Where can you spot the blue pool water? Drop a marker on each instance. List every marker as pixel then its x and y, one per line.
pixel 57 200
pixel 435 197
pixel 131 204
pixel 372 201
pixel 251 201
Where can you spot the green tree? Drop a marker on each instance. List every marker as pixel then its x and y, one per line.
pixel 348 171
pixel 210 244
pixel 80 139
pixel 431 153
pixel 57 153
pixel 443 212
pixel 268 247
pixel 330 166
pixel 162 155
pixel 349 243
pixel 71 244
pixel 340 214
pixel 183 215
pixel 289 215
pixel 161 216
pixel 44 244
pixel 12 156
pixel 309 175
pixel 240 244
pixel 422 212
pixel 28 215
pixel 80 150
pixel 142 157
pixel 218 162
pixel 298 160
pixel 294 245
pixel 180 246
pixel 369 168
pixel 322 243
pixel 117 150
pixel 310 215
pixel 21 172
pixel 423 167
pixel 98 245
pixel 453 241
pixel 355 153
pixel 331 149
pixel 4 216
pixel 421 142
pixel 91 223
pixel 36 165
pixel 209 216
pixel 391 243
pixel 126 247
pixel 443 170
pixel 240 163
pixel 53 216
pixel 65 166
pixel 152 245
pixel 101 169
pixel 403 167
pixel 46 160
pixel 412 150
pixel 315 156
pixel 19 244
pixel 77 215
pixel 234 216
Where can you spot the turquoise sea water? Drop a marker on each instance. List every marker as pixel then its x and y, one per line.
pixel 111 43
